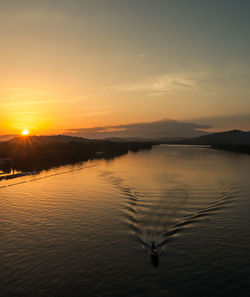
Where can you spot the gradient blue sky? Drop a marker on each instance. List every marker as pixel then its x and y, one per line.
pixel 80 64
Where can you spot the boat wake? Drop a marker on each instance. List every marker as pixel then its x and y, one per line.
pixel 157 216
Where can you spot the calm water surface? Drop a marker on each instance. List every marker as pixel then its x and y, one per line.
pixel 86 230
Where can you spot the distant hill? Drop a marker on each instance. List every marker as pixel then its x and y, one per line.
pixel 35 153
pixel 234 137
pixel 50 139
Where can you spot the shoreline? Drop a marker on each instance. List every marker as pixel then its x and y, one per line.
pixel 32 154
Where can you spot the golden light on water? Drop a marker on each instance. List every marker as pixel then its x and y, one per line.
pixel 25 132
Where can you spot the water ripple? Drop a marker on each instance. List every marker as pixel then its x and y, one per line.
pixel 158 215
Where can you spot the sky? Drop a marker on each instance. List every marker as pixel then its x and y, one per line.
pixel 74 65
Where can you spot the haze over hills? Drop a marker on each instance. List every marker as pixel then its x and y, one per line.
pixel 41 152
pixel 163 129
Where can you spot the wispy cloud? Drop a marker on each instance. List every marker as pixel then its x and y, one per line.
pixel 163 84
pixel 97 113
pixel 200 78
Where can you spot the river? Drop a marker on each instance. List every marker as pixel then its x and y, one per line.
pixel 87 229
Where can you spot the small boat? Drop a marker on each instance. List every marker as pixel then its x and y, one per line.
pixel 154 255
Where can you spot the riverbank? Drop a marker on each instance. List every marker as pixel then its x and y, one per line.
pixel 244 149
pixel 38 152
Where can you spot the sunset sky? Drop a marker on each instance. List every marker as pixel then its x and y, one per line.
pixel 70 65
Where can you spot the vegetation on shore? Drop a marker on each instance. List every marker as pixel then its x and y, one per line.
pixel 39 152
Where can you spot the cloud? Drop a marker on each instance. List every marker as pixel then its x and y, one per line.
pixel 158 129
pixel 226 122
pixel 164 84
pixel 97 113
pixel 199 78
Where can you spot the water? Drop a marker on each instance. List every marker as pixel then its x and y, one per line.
pixel 87 229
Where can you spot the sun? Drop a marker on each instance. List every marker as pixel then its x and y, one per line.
pixel 25 132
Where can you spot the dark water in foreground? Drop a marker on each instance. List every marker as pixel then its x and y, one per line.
pixel 77 231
